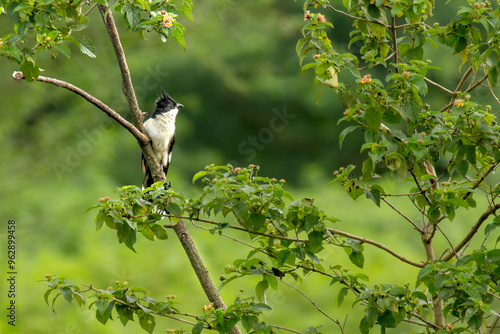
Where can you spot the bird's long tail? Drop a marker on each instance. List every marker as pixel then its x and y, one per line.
pixel 148 178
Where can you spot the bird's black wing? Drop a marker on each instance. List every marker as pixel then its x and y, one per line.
pixel 170 148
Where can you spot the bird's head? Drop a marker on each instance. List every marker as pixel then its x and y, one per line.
pixel 165 103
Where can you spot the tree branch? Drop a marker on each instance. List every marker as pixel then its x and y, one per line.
pixel 236 228
pixel 127 87
pixel 472 231
pixel 128 90
pixel 141 137
pixel 199 268
pixel 378 245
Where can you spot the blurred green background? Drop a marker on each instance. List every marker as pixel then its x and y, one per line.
pixel 246 101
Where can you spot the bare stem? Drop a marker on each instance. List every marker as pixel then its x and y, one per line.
pixel 472 232
pixel 238 228
pixel 199 268
pixel 439 86
pixel 90 287
pixel 378 245
pixel 141 137
pixel 400 213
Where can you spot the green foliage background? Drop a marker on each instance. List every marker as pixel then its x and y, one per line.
pixel 240 69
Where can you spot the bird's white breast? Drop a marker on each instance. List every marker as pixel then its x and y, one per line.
pixel 161 130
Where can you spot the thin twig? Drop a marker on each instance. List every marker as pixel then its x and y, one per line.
pixel 378 245
pixel 493 324
pixel 354 17
pixel 491 91
pixel 286 329
pixel 90 9
pixel 482 178
pixel 439 86
pixel 90 287
pixel 236 228
pixel 447 239
pixel 98 103
pixel 399 212
pixel 472 232
pixel 232 238
pixel 394 40
pixel 385 59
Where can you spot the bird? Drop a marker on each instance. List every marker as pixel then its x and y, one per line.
pixel 160 128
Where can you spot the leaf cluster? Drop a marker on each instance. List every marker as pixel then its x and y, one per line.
pixel 52 25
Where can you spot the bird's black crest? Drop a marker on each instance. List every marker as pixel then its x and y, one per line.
pixel 165 102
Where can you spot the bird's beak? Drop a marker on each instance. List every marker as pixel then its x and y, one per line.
pixel 180 105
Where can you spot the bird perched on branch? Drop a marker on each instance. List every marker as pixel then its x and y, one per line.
pixel 160 128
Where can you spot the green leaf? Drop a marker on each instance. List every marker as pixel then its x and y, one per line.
pixel 373 118
pixel 46 296
pixel 260 289
pixel 460 45
pixel 81 23
pixel 30 70
pixel 124 313
pixel 416 53
pixel 87 47
pixel 342 293
pixel 493 76
pixel 387 319
pixel 178 35
pixel 256 221
pixel 357 258
pixel 470 153
pixel 345 132
pixel 475 322
pixel 102 306
pixel 67 293
pixel 148 233
pixel 133 15
pixel 187 11
pixel 103 312
pixel 315 241
pixel 363 326
pixel 64 49
pixel 423 273
pixel 159 232
pixel 463 167
pixel 197 328
pixel 374 195
pixel 433 213
pixel 200 174
pixel 174 209
pixel 493 255
pixel 285 256
pixel 259 307
pixel 367 170
pixel 147 323
pixel 374 11
pixel 300 45
pixel 80 299
pixel 248 321
pixel 492 226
